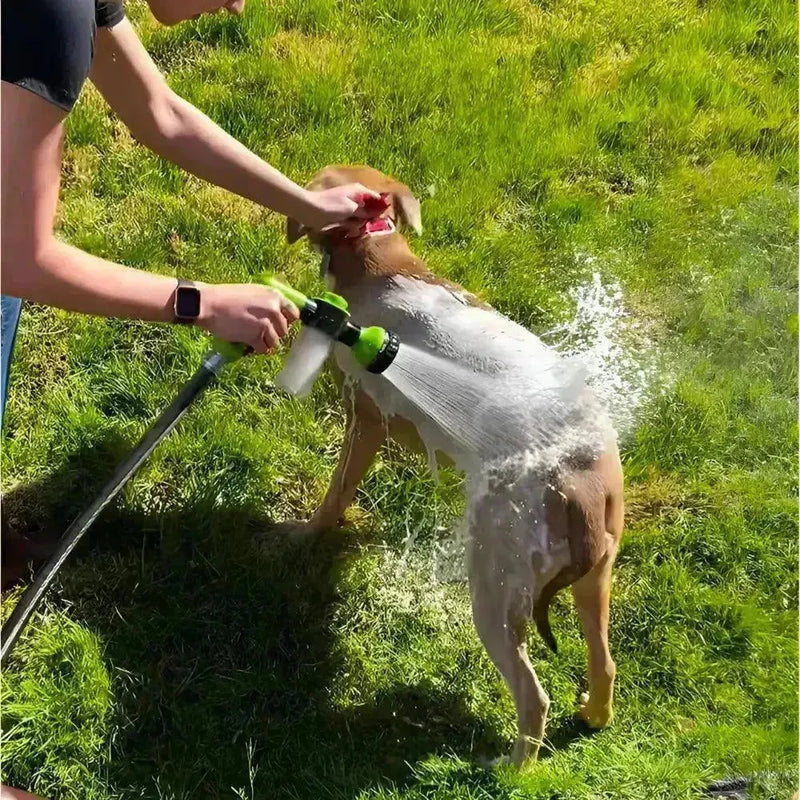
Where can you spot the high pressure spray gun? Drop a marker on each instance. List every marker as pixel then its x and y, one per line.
pixel 326 320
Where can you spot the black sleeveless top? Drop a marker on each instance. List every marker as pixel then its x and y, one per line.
pixel 48 45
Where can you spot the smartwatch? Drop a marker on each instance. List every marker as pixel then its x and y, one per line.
pixel 187 303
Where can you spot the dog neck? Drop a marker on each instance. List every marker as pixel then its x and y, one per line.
pixel 347 261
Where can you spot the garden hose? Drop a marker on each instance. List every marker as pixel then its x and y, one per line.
pixel 373 348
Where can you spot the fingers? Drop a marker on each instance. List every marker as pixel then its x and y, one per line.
pixel 266 340
pixel 340 203
pixel 276 315
pixel 275 325
pixel 255 315
pixel 290 312
pixel 359 193
pixel 278 323
pixel 372 205
pixel 269 336
pixel 257 347
pixel 362 197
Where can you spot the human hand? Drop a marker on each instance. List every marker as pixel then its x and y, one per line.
pixel 249 314
pixel 329 206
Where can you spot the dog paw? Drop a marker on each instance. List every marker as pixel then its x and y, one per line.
pixel 593 715
pixel 522 755
pixel 289 534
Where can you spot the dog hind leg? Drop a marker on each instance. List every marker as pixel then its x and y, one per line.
pixel 592 596
pixel 502 631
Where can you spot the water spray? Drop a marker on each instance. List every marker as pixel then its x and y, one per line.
pixel 326 317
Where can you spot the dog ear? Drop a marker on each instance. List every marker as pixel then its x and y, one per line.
pixel 408 208
pixel 294 230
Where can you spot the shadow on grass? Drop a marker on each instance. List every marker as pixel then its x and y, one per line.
pixel 562 734
pixel 225 654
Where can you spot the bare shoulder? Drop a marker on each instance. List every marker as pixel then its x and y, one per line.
pixel 30 142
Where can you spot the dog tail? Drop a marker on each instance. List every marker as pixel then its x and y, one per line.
pixel 541 607
pixel 585 525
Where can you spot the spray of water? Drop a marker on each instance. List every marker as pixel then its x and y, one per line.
pixel 619 358
pixel 516 421
pixel 486 416
pixel 500 403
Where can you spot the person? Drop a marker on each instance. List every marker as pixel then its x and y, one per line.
pixel 7 793
pixel 49 49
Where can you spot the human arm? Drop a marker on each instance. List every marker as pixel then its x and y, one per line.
pixel 36 266
pixel 133 86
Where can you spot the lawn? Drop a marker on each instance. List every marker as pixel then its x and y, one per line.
pixel 185 655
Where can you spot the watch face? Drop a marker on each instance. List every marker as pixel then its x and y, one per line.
pixel 187 302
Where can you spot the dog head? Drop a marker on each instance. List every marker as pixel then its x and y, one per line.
pixel 404 208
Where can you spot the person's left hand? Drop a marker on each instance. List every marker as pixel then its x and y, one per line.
pixel 330 206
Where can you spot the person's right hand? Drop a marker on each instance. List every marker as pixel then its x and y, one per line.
pixel 246 313
pixel 328 206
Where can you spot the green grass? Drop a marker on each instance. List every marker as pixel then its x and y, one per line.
pixel 176 659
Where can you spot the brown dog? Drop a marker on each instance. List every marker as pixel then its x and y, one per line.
pixel 532 531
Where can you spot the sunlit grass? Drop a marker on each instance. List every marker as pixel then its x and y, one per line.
pixel 176 658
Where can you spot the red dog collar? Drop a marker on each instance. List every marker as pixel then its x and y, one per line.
pixel 376 225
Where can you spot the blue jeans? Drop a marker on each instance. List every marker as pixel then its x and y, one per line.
pixel 10 308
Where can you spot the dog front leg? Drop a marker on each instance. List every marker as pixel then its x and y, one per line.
pixel 366 432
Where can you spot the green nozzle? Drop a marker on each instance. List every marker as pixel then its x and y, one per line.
pixel 328 312
pixel 369 344
pixel 375 349
pixel 336 300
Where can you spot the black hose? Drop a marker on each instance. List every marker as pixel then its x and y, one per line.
pixel 32 596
